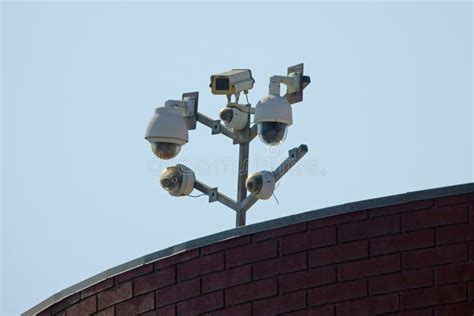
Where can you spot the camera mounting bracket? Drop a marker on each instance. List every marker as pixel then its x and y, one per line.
pixel 190 109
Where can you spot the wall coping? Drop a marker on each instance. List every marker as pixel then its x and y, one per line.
pixel 251 229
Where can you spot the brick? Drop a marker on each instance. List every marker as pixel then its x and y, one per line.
pixel 435 256
pixel 237 310
pixel 134 273
pixel 369 306
pixel 251 253
pixel 280 304
pixel 307 240
pixel 337 292
pixel 169 310
pixel 471 291
pixel 400 281
pixel 401 208
pixel 280 265
pixel 106 312
pixel 434 296
pixel 176 258
pixel 326 310
pixel 455 309
pixel 177 292
pixel 340 253
pixel 231 277
pixel 435 217
pixel 66 302
pixel 250 291
pixel 226 244
pixel 370 228
pixel 155 280
pixel 200 266
pixel 114 295
pixel 201 304
pixel 138 304
pixel 369 267
pixel 338 219
pixel 456 272
pixel 307 279
pixel 281 231
pixel 98 287
pixel 401 242
pixel 84 307
pixel 455 199
pixel 418 312
pixel 471 250
pixel 455 233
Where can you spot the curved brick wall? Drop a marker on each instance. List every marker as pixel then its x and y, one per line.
pixel 414 258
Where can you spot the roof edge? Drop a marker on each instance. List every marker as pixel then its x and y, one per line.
pixel 251 229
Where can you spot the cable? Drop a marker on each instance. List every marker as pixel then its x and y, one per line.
pixel 196 196
pixel 247 97
pixel 276 187
pixel 276 198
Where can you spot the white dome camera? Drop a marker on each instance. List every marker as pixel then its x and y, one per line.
pixel 178 180
pixel 167 132
pixel 261 184
pixel 273 115
pixel 233 118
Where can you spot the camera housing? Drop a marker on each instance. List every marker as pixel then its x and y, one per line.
pixel 167 132
pixel 261 184
pixel 232 82
pixel 273 115
pixel 178 180
pixel 234 118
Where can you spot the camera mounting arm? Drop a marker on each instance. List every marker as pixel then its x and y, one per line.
pixel 214 195
pixel 292 81
pixel 215 125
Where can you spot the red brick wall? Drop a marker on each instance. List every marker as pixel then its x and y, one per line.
pixel 409 259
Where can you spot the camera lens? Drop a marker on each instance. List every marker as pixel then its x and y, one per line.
pixel 226 115
pixel 254 183
pixel 164 150
pixel 272 133
pixel 171 179
pixel 222 84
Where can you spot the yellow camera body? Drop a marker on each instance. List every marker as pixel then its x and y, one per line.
pixel 232 82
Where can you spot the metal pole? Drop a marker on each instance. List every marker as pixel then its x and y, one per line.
pixel 243 173
pixel 241 189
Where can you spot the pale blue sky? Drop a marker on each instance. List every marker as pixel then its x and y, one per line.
pixel 389 110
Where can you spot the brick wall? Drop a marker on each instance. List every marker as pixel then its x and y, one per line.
pixel 410 259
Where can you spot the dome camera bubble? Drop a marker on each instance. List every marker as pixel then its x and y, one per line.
pixel 164 150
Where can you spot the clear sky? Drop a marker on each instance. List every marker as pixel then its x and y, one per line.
pixel 389 110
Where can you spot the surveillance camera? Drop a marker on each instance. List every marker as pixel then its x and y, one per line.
pixel 233 118
pixel 178 180
pixel 232 82
pixel 261 184
pixel 273 115
pixel 167 132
